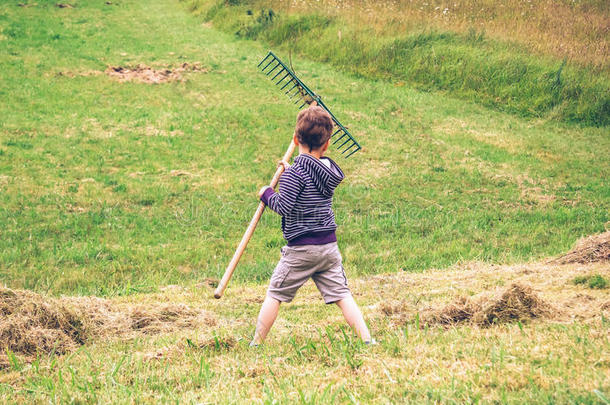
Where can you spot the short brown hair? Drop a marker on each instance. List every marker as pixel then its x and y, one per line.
pixel 314 127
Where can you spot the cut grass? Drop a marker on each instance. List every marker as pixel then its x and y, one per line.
pixel 311 358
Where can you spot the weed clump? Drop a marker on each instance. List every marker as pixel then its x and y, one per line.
pixel 31 323
pixel 518 303
pixel 596 281
pixel 594 248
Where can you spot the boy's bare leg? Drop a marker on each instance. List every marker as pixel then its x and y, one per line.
pixel 354 318
pixel 266 318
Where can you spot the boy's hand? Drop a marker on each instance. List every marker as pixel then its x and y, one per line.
pixel 262 190
pixel 283 163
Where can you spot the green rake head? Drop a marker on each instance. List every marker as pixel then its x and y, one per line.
pixel 296 90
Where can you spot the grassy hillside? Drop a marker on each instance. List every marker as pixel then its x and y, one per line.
pixel 114 187
pixel 547 59
pixel 139 192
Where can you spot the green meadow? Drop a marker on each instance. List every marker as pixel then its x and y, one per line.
pixel 110 187
pixel 117 189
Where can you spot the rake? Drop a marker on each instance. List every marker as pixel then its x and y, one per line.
pixel 296 90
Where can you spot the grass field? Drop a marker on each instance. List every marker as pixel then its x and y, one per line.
pixel 119 189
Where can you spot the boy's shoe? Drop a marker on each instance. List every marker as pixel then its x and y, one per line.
pixel 252 344
pixel 371 342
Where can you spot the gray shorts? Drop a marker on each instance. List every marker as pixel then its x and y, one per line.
pixel 322 263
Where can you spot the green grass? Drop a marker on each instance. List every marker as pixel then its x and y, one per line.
pixel 592 281
pixel 89 204
pixel 470 66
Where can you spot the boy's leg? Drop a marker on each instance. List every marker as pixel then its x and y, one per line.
pixel 266 318
pixel 354 317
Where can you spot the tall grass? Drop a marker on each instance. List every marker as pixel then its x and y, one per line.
pixel 405 43
pixel 576 30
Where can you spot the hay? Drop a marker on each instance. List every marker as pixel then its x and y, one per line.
pixel 218 343
pixel 460 311
pixel 517 303
pixel 592 249
pixel 31 323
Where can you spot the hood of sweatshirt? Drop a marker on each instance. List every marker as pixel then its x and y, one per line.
pixel 326 179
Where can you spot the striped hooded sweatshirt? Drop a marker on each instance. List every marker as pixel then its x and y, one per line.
pixel 304 200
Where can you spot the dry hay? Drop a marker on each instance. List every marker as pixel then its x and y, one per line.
pixel 31 323
pixel 461 310
pixel 592 249
pixel 146 74
pixel 517 303
pixel 218 343
pixel 398 311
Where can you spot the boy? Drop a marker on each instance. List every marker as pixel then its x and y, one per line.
pixel 308 223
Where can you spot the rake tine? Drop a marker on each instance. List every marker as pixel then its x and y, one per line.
pixel 275 67
pixel 336 132
pixel 277 74
pixel 348 139
pixel 295 85
pixel 348 148
pixel 287 83
pixel 272 60
pixel 352 152
pixel 263 61
pixel 298 92
pixel 301 106
pixel 279 81
pixel 341 137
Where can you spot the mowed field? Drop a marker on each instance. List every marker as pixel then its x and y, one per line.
pixel 139 192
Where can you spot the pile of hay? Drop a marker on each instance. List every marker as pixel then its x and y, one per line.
pixel 31 323
pixel 516 303
pixel 595 248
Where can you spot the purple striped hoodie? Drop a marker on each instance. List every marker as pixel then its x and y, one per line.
pixel 304 201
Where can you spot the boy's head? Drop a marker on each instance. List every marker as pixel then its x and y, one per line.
pixel 314 127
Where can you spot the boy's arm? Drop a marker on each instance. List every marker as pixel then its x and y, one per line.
pixel 282 202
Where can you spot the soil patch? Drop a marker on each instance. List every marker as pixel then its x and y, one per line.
pixel 146 74
pixel 592 249
pixel 517 303
pixel 31 323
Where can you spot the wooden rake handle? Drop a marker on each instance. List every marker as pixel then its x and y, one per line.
pixel 248 234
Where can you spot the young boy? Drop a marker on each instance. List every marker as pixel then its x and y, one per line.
pixel 308 223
